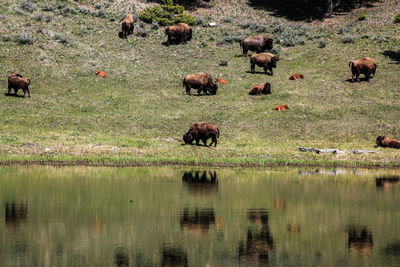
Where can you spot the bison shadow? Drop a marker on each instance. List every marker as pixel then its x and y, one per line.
pixel 259 72
pixel 173 255
pixel 362 79
pixel 393 55
pixel 13 95
pixel 194 144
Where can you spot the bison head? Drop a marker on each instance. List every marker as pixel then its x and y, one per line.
pixel 274 60
pixel 213 89
pixel 188 138
pixel 269 43
pixel 267 89
pixel 379 140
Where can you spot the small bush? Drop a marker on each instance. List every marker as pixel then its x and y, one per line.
pixel 142 31
pixel 344 30
pixel 61 38
pixel 199 21
pixel 362 17
pixel 25 38
pixel 39 17
pixel 68 10
pixel 348 39
pixel 276 50
pixel 97 6
pixel 6 38
pixel 27 6
pixel 60 6
pixel 227 19
pixel 19 11
pixel 322 44
pixel 155 25
pixel 99 14
pixel 381 38
pixel 397 18
pixel 84 10
pixel 365 36
pixel 212 37
pixel 166 15
pixel 48 18
pixel 223 63
pixel 48 7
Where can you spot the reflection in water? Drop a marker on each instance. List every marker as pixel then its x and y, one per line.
pixel 360 240
pixel 15 214
pixel 392 249
pixel 280 204
pixel 293 228
pixel 98 225
pixel 197 221
pixel 259 242
pixel 201 185
pixel 121 258
pixel 322 172
pixel 174 256
pixel 388 181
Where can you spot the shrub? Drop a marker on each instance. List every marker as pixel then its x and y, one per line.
pixel 97 6
pixel 48 7
pixel 348 39
pixel 381 38
pixel 223 63
pixel 27 6
pixel 6 38
pixel 155 25
pixel 227 19
pixel 25 38
pixel 84 10
pixel 397 18
pixel 275 50
pixel 199 21
pixel 322 43
pixel 68 10
pixel 39 17
pixel 212 37
pixel 141 30
pixel 167 14
pixel 61 38
pixel 362 17
pixel 48 18
pixel 99 13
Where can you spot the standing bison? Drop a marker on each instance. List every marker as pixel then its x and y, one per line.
pixel 127 26
pixel 178 33
pixel 364 66
pixel 201 81
pixel 258 44
pixel 201 131
pixel 264 60
pixel 16 81
pixel 261 89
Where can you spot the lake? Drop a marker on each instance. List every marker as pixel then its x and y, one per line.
pixel 193 216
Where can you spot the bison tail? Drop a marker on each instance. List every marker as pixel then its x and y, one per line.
pixel 375 65
pixel 190 34
pixel 218 132
pixel 351 63
pixel 184 82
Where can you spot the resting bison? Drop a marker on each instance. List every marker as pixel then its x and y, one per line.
pixel 384 141
pixel 364 66
pixel 261 89
pixel 201 81
pixel 178 33
pixel 264 60
pixel 258 44
pixel 296 77
pixel 201 131
pixel 281 107
pixel 101 74
pixel 127 26
pixel 16 81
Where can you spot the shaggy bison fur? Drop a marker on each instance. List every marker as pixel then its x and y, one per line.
pixel 385 141
pixel 258 44
pixel 261 89
pixel 364 66
pixel 202 82
pixel 127 26
pixel 264 60
pixel 178 33
pixel 16 81
pixel 201 131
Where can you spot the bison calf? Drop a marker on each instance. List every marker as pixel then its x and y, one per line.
pixel 384 141
pixel 16 81
pixel 258 44
pixel 296 77
pixel 178 33
pixel 364 66
pixel 127 26
pixel 264 60
pixel 202 131
pixel 281 107
pixel 261 89
pixel 201 81
pixel 101 74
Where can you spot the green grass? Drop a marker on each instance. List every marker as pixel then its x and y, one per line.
pixel 140 110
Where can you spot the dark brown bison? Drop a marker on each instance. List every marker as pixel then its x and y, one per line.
pixel 201 131
pixel 258 44
pixel 178 33
pixel 127 26
pixel 261 89
pixel 264 60
pixel 364 66
pixel 384 141
pixel 16 81
pixel 201 81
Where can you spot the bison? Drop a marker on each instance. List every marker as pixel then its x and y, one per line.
pixel 202 131
pixel 281 107
pixel 16 81
pixel 178 33
pixel 261 89
pixel 385 141
pixel 127 26
pixel 264 60
pixel 101 74
pixel 296 77
pixel 258 44
pixel 201 81
pixel 364 66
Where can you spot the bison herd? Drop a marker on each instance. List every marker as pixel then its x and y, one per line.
pixel 203 82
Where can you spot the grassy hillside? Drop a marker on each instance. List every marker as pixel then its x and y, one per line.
pixel 140 111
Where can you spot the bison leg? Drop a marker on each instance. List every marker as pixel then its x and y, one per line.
pixel 253 67
pixel 15 91
pixel 204 141
pixel 367 75
pixel 197 141
pixel 9 89
pixel 214 140
pixel 29 93
pixel 358 77
pixel 245 51
pixel 187 89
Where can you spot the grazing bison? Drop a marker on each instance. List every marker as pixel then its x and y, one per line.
pixel 127 26
pixel 385 141
pixel 264 60
pixel 16 81
pixel 261 89
pixel 364 66
pixel 101 74
pixel 201 81
pixel 281 107
pixel 178 33
pixel 296 77
pixel 258 44
pixel 201 131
